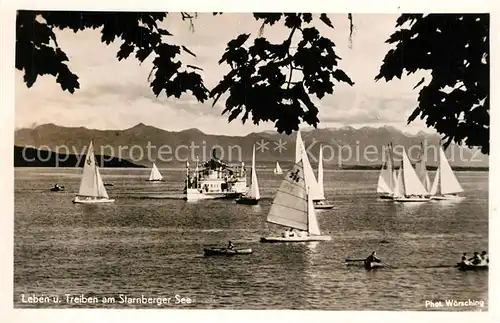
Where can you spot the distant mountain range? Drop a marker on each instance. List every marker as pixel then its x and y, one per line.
pixel 143 144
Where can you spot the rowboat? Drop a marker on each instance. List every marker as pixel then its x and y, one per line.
pixel 361 262
pixel 57 188
pixel 464 267
pixel 214 251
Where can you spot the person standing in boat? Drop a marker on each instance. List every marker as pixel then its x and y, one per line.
pixel 371 258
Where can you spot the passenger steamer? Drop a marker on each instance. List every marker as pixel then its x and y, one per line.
pixel 214 179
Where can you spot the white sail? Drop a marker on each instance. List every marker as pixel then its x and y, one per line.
pixel 312 221
pixel 300 151
pixel 435 184
pixel 383 179
pixel 422 172
pixel 412 184
pixel 399 186
pixel 91 184
pixel 277 169
pixel 290 205
pixel 447 179
pixel 321 189
pixel 392 174
pixel 387 176
pixel 155 174
pixel 254 186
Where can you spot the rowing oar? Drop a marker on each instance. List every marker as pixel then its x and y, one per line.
pixel 348 260
pixel 386 264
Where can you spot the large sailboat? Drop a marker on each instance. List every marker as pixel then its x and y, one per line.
pixel 408 186
pixel 155 175
pixel 445 185
pixel 92 190
pixel 277 169
pixel 252 197
pixel 387 177
pixel 293 208
pixel 214 179
pixel 321 204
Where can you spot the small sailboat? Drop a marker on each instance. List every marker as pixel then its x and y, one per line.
pixel 155 175
pixel 277 169
pixel 408 187
pixel 92 190
pixel 445 185
pixel 312 184
pixel 253 195
pixel 322 203
pixel 293 208
pixel 387 176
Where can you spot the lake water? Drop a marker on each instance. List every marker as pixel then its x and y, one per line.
pixel 150 242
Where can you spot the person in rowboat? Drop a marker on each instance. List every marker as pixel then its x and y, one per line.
pixel 476 259
pixel 464 259
pixel 370 259
pixel 289 233
pixel 230 246
pixel 484 257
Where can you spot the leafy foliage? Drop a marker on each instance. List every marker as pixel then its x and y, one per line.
pixel 37 51
pixel 455 49
pixel 258 84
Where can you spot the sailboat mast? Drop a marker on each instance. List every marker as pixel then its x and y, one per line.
pixel 402 181
pixel 95 166
pixel 440 163
pixel 389 166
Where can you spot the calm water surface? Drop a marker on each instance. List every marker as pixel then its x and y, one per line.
pixel 149 242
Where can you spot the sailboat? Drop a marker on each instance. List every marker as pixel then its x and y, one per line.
pixel 445 185
pixel 253 195
pixel 408 187
pixel 320 204
pixel 277 170
pixel 293 208
pixel 421 170
pixel 301 154
pixel 155 175
pixel 387 177
pixel 92 190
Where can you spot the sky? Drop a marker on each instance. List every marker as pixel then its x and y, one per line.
pixel 116 95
